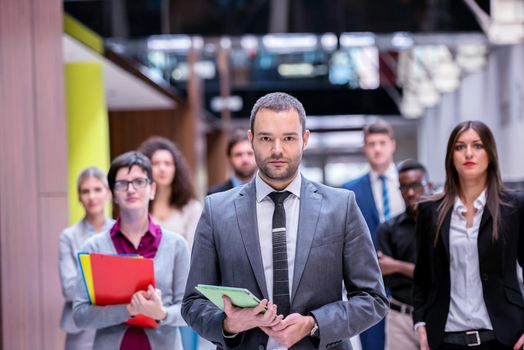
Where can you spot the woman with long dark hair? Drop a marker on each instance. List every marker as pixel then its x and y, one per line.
pixel 175 206
pixel 470 237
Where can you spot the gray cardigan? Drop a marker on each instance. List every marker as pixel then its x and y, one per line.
pixel 71 239
pixel 171 269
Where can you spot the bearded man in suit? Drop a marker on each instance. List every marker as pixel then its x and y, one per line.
pixel 291 242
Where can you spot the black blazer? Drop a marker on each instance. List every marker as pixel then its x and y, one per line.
pixel 497 264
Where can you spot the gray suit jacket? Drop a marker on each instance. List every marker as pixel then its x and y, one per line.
pixel 333 246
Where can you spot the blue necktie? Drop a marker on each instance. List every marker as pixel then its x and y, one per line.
pixel 385 197
pixel 280 268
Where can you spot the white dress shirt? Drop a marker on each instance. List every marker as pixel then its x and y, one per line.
pixel 467 309
pixel 396 202
pixel 265 208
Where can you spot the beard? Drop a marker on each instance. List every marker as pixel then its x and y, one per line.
pixel 281 173
pixel 244 172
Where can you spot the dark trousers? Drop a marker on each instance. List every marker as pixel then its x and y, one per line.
pixel 373 338
pixel 490 345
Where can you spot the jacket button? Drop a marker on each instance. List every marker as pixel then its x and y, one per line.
pixel 485 276
pixel 261 347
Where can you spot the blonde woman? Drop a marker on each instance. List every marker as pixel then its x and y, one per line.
pixel 93 194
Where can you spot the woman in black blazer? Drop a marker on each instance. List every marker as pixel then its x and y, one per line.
pixel 466 292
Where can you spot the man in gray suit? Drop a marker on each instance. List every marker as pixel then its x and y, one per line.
pixel 290 241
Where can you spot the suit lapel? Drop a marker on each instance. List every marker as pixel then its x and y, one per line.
pixel 371 199
pixel 484 236
pixel 486 217
pixel 444 231
pixel 485 233
pixel 245 206
pixel 310 203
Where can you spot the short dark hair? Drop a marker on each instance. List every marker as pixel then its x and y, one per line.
pixel 379 127
pixel 410 164
pixel 182 187
pixel 278 102
pixel 128 160
pixel 236 137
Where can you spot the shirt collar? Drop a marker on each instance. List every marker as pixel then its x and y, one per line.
pixel 478 203
pixel 107 225
pixel 88 227
pixel 235 181
pixel 152 228
pixel 391 173
pixel 263 189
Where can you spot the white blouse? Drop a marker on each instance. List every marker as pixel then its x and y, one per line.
pixel 467 309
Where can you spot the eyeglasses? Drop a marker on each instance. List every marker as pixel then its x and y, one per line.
pixel 138 184
pixel 415 186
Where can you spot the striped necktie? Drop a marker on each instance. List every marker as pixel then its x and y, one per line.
pixel 385 197
pixel 280 265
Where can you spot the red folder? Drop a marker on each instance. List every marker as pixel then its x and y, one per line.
pixel 116 278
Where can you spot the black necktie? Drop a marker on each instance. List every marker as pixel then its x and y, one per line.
pixel 280 268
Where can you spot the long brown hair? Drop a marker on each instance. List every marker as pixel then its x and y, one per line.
pixel 452 188
pixel 182 188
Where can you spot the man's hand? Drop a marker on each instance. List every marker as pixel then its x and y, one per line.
pixel 423 338
pixel 387 264
pixel 291 330
pixel 242 319
pixel 519 344
pixel 147 303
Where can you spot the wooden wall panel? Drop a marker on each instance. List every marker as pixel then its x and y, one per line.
pixel 128 129
pixel 187 135
pixel 216 158
pixel 18 202
pixel 49 289
pixel 50 123
pixel 49 101
pixel 32 157
pixel 51 161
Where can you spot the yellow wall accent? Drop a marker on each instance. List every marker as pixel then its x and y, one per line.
pixel 83 34
pixel 87 126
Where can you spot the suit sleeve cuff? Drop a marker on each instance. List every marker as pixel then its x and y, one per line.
pixel 418 324
pixel 229 336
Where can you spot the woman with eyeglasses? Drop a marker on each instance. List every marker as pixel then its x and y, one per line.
pixel 130 180
pixel 93 194
pixel 175 206
pixel 469 239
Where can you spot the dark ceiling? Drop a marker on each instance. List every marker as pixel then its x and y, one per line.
pixel 237 17
pixel 133 20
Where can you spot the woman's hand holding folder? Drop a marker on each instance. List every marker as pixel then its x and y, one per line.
pixel 147 303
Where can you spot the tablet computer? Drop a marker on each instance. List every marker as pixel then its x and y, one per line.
pixel 241 297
